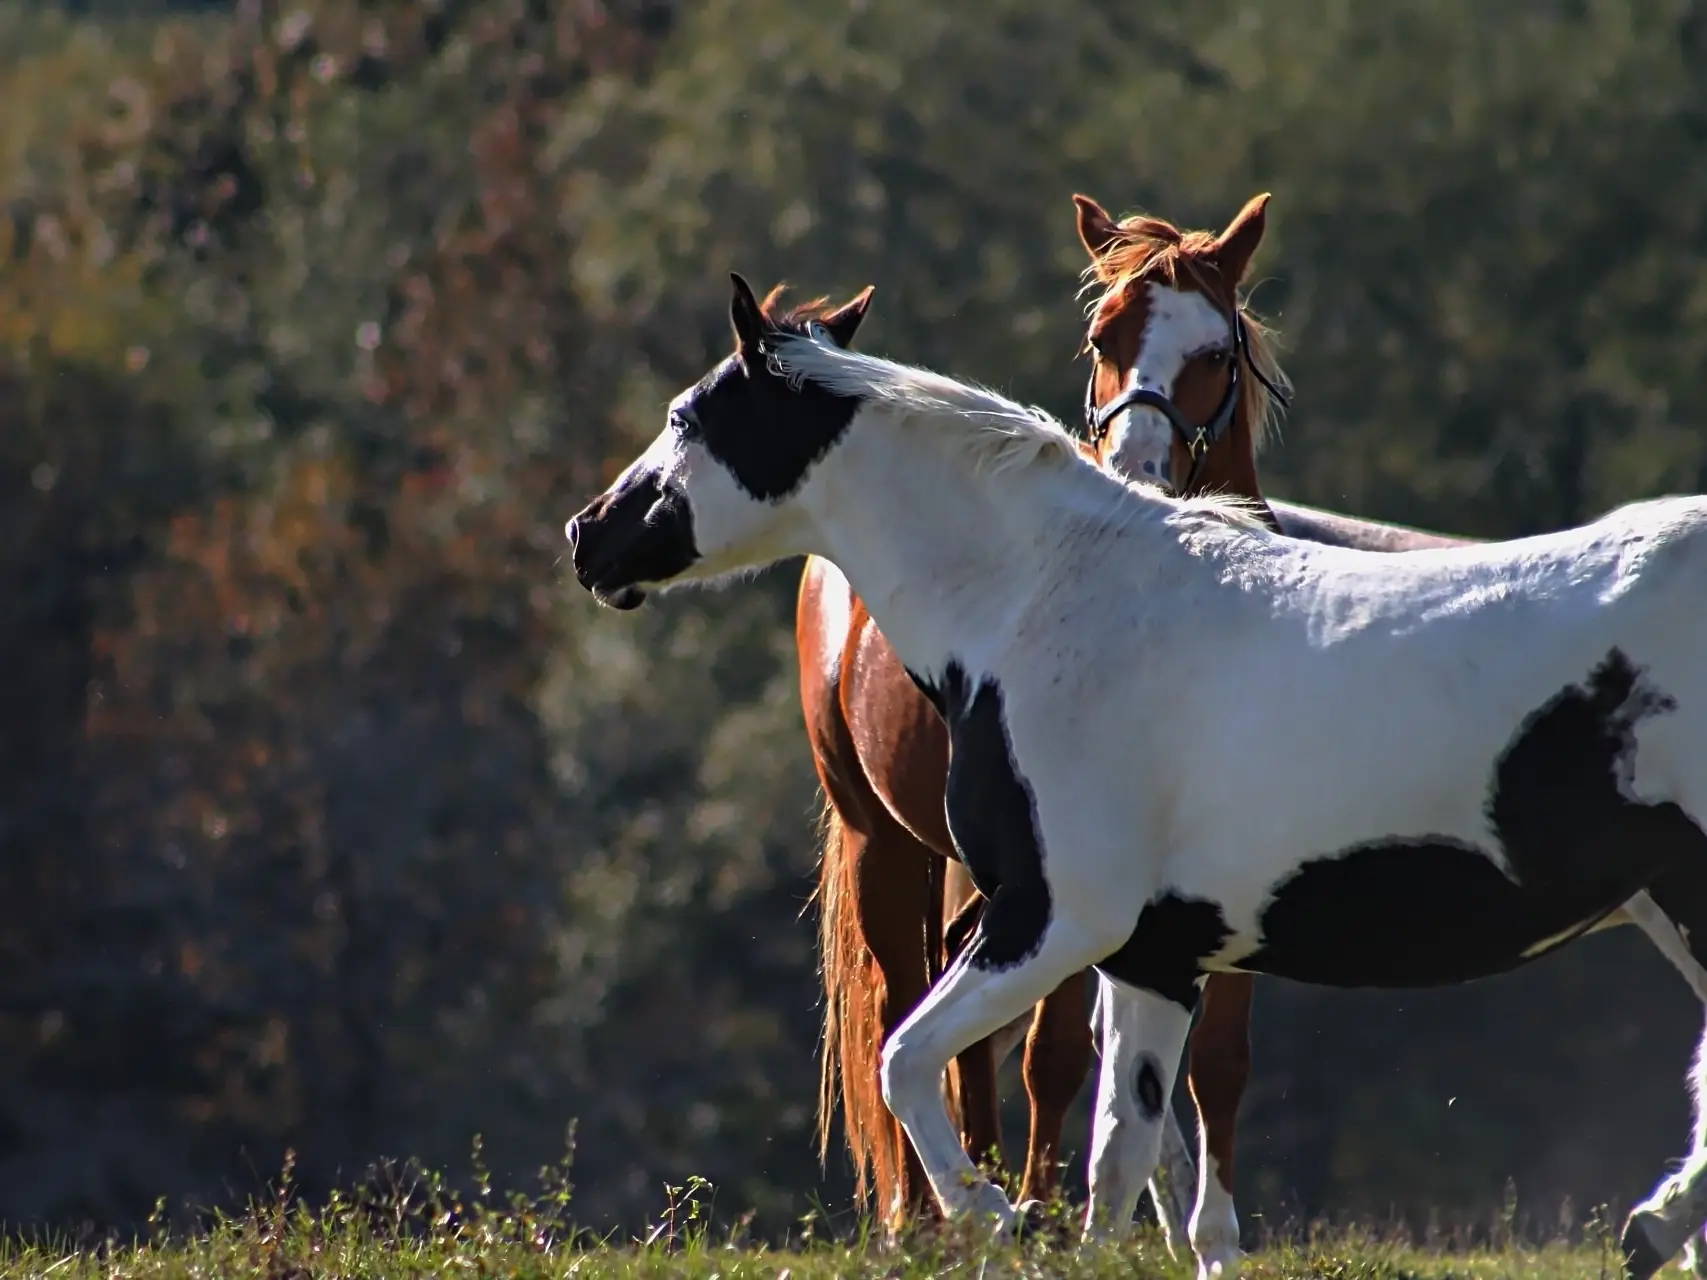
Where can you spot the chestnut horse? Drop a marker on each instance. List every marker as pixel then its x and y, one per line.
pixel 889 873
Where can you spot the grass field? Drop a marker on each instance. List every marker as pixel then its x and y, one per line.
pixel 417 1227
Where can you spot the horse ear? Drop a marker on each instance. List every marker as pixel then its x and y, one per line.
pixel 844 321
pixel 745 316
pixel 1237 245
pixel 1096 229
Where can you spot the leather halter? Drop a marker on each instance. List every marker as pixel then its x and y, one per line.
pixel 1199 439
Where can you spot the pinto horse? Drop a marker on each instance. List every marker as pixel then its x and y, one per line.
pixel 1138 325
pixel 1159 405
pixel 1514 734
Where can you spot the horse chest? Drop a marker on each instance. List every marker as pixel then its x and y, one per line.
pixel 992 816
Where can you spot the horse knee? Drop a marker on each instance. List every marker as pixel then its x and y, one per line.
pixel 904 1064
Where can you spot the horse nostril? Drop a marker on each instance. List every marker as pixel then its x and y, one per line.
pixel 572 531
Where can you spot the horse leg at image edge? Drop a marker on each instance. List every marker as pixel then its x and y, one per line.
pixel 1673 913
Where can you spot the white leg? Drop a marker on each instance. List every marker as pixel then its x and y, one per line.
pixel 967 1004
pixel 1143 1036
pixel 1671 1218
pixel 1168 1188
pixel 1176 1171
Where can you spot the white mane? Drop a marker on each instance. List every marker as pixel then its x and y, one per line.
pixel 998 434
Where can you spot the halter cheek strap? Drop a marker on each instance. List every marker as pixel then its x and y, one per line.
pixel 1199 439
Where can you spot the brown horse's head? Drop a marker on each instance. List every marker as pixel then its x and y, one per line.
pixel 1183 381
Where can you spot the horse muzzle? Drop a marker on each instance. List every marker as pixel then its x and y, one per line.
pixel 641 533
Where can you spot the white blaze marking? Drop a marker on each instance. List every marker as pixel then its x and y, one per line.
pixel 1179 326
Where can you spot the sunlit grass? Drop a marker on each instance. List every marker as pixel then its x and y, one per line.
pixel 413 1224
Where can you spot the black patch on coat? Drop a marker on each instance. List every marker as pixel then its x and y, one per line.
pixel 1432 911
pixel 1681 894
pixel 992 817
pixel 639 532
pixel 1165 953
pixel 933 695
pixel 764 432
pixel 1149 1088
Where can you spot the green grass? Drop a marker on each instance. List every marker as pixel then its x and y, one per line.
pixel 301 1250
pixel 419 1227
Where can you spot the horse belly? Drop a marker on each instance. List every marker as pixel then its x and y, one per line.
pixel 1420 914
pixel 1565 835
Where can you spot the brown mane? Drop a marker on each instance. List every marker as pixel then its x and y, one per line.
pixel 1149 250
pixel 796 318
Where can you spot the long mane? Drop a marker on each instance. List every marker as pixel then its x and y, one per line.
pixel 997 434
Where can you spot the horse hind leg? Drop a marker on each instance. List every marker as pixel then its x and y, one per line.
pixel 1673 913
pixel 874 890
pixel 892 892
pixel 1218 1072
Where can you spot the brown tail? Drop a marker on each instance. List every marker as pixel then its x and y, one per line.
pixel 852 1046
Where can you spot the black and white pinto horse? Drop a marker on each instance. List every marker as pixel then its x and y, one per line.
pixel 1449 762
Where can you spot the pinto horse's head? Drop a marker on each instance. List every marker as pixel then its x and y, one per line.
pixel 1182 380
pixel 710 494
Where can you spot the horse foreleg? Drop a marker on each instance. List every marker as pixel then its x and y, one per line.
pixel 974 1070
pixel 1176 1174
pixel 1057 1060
pixel 972 1000
pixel 1219 1070
pixel 1143 1035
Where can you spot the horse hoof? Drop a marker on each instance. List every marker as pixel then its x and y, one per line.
pixel 1641 1259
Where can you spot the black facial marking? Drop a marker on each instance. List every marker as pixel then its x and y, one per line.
pixel 993 819
pixel 1149 1088
pixel 1165 954
pixel 766 433
pixel 639 532
pixel 1432 911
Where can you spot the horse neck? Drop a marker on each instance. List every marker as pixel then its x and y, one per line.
pixel 942 554
pixel 1231 468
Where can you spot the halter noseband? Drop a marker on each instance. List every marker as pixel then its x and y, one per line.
pixel 1198 439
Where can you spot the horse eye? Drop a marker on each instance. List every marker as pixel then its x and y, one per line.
pixel 1216 357
pixel 687 428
